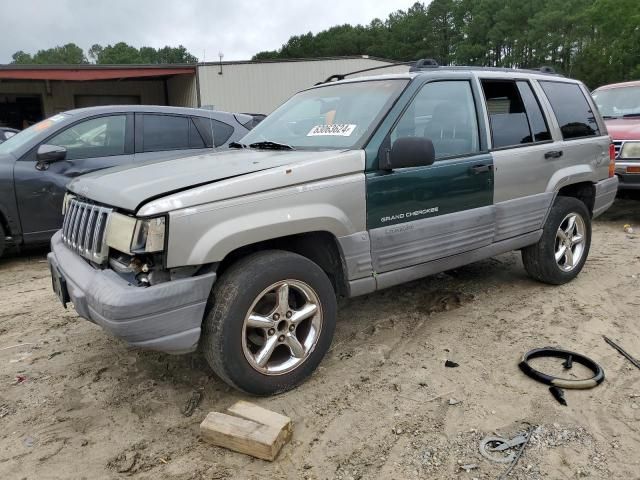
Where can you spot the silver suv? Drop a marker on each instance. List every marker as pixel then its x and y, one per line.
pixel 349 187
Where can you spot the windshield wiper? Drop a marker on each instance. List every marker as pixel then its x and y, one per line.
pixel 267 145
pixel 609 117
pixel 237 145
pixel 631 115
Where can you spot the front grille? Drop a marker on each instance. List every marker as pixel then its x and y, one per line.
pixel 84 229
pixel 617 144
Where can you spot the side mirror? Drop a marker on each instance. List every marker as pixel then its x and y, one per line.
pixel 50 153
pixel 410 152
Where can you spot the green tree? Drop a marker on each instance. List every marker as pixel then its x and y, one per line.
pixel 69 54
pixel 119 53
pixel 597 41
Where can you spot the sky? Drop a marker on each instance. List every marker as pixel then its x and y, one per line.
pixel 237 28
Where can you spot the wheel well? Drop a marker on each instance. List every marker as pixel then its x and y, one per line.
pixel 585 192
pixel 320 247
pixel 5 225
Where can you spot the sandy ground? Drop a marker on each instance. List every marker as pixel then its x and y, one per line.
pixel 76 403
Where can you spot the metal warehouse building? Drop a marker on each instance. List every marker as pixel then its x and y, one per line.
pixel 29 93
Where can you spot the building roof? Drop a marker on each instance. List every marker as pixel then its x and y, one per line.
pixel 91 72
pixel 310 59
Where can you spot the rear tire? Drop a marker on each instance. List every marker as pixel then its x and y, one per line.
pixel 561 252
pixel 2 240
pixel 269 323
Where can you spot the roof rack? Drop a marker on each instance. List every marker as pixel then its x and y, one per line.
pixel 424 63
pixel 430 63
pixel 341 76
pixel 546 69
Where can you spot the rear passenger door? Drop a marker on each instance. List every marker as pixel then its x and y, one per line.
pixel 163 137
pixel 525 156
pixel 530 151
pixel 419 214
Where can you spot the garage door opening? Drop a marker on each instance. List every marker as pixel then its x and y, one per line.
pixel 82 101
pixel 20 111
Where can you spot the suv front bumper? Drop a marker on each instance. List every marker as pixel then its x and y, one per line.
pixel 628 181
pixel 166 317
pixel 606 191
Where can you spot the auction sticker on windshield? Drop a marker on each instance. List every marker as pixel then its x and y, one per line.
pixel 338 130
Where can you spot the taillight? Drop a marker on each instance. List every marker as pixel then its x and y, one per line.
pixel 612 160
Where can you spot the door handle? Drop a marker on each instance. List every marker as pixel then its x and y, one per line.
pixel 478 169
pixel 553 154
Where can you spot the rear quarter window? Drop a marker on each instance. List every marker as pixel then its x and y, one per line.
pixel 572 110
pixel 214 132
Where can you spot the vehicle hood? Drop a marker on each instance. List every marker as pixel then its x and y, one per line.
pixel 624 128
pixel 128 187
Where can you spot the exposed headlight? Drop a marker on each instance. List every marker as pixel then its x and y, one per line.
pixel 132 235
pixel 630 150
pixel 148 236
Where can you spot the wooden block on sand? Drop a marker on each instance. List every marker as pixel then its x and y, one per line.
pixel 253 430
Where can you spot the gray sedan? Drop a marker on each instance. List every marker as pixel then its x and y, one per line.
pixel 37 163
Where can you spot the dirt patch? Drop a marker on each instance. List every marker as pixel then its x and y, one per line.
pixel 76 403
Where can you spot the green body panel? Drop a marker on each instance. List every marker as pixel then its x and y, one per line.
pixel 410 194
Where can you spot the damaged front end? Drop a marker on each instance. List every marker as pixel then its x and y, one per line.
pixel 134 248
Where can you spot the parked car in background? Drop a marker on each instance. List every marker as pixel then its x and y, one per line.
pixel 37 163
pixel 619 105
pixel 349 187
pixel 6 133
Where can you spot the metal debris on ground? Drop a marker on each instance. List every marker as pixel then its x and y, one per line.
pixel 450 364
pixel 469 467
pixel 192 403
pixel 497 449
pixel 622 351
pixel 519 454
pixel 5 410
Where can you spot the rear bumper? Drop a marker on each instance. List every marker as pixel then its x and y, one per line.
pixel 165 317
pixel 605 195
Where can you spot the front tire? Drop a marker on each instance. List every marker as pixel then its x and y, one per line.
pixel 269 323
pixel 562 251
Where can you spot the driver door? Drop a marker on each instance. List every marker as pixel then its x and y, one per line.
pixel 419 214
pixel 92 144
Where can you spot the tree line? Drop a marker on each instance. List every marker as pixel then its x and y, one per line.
pixel 597 41
pixel 117 54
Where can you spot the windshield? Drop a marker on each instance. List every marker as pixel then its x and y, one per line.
pixel 618 102
pixel 329 117
pixel 25 136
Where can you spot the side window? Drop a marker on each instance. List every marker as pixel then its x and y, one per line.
pixel 507 115
pixel 537 122
pixel 165 132
pixel 98 137
pixel 195 139
pixel 208 127
pixel 445 113
pixel 574 114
